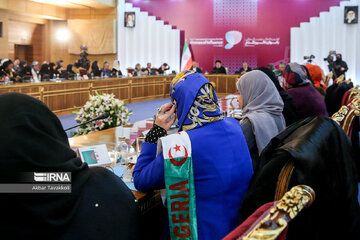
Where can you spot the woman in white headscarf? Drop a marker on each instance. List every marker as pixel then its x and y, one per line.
pixel 116 69
pixel 262 109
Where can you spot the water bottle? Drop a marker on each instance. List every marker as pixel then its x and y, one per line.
pixel 122 151
pixel 7 80
pixel 92 75
pixel 102 75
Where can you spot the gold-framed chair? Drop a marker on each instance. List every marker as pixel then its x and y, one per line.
pixel 273 222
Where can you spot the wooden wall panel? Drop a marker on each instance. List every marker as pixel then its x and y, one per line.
pixel 62 97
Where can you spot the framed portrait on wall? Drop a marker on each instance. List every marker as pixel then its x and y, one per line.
pixel 351 14
pixel 130 19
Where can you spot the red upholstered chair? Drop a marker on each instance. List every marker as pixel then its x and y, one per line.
pixel 270 221
pixel 83 72
pixel 130 70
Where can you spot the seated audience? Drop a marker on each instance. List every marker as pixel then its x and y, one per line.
pixel 105 70
pixel 308 76
pixel 22 64
pixel 317 75
pixel 150 70
pixel 271 66
pixel 219 156
pixel 138 72
pixel 307 99
pixel 289 111
pixel 16 64
pixel 44 72
pixel 262 109
pixel 7 71
pixel 116 69
pixel 96 193
pixel 315 152
pixel 218 69
pixel 59 67
pixel 245 68
pixel 163 68
pixel 52 70
pixel 280 75
pixel 24 70
pixel 95 69
pixel 69 74
pixel 334 96
pixel 76 68
pixel 195 68
pixel 35 69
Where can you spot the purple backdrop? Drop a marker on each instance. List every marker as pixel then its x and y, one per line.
pixel 262 26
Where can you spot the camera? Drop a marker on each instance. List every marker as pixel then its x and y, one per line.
pixel 330 58
pixel 309 58
pixel 83 61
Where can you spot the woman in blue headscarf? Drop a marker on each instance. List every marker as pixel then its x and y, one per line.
pixel 206 168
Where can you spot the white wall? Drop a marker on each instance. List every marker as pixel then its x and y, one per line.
pixel 325 33
pixel 150 41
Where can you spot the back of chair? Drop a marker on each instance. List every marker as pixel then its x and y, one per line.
pixel 346 115
pixel 130 70
pixel 350 95
pixel 83 72
pixel 274 220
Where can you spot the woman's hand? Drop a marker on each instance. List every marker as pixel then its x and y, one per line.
pixel 163 116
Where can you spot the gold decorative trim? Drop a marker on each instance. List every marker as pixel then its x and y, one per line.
pixel 274 223
pixel 345 116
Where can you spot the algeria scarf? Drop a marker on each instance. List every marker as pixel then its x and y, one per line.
pixel 180 188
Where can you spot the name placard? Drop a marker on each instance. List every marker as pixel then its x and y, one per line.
pixel 95 155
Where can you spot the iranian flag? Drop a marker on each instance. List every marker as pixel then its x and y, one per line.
pixel 186 60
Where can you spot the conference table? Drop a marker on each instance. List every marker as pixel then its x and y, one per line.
pixel 107 137
pixel 65 96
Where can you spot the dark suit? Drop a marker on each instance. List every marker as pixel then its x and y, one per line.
pixel 197 69
pixel 247 70
pixel 220 70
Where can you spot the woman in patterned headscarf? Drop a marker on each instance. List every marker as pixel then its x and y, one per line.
pixel 219 169
pixel 307 99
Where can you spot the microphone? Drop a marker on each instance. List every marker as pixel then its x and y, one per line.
pixel 102 116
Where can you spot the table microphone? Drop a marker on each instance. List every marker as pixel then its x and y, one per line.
pixel 102 116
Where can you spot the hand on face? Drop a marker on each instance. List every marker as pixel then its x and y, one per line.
pixel 162 117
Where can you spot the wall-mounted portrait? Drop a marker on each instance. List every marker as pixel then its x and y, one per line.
pixel 351 14
pixel 130 19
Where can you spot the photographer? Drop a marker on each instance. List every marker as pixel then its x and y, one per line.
pixel 340 66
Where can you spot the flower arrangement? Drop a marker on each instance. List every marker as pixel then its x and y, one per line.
pixel 97 105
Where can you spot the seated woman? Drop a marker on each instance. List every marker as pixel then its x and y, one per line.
pixel 52 71
pixel 262 109
pixel 318 77
pixel 95 70
pixel 116 69
pixel 100 206
pixel 44 72
pixel 206 168
pixel 138 72
pixel 7 71
pixel 163 68
pixel 289 111
pixel 307 99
